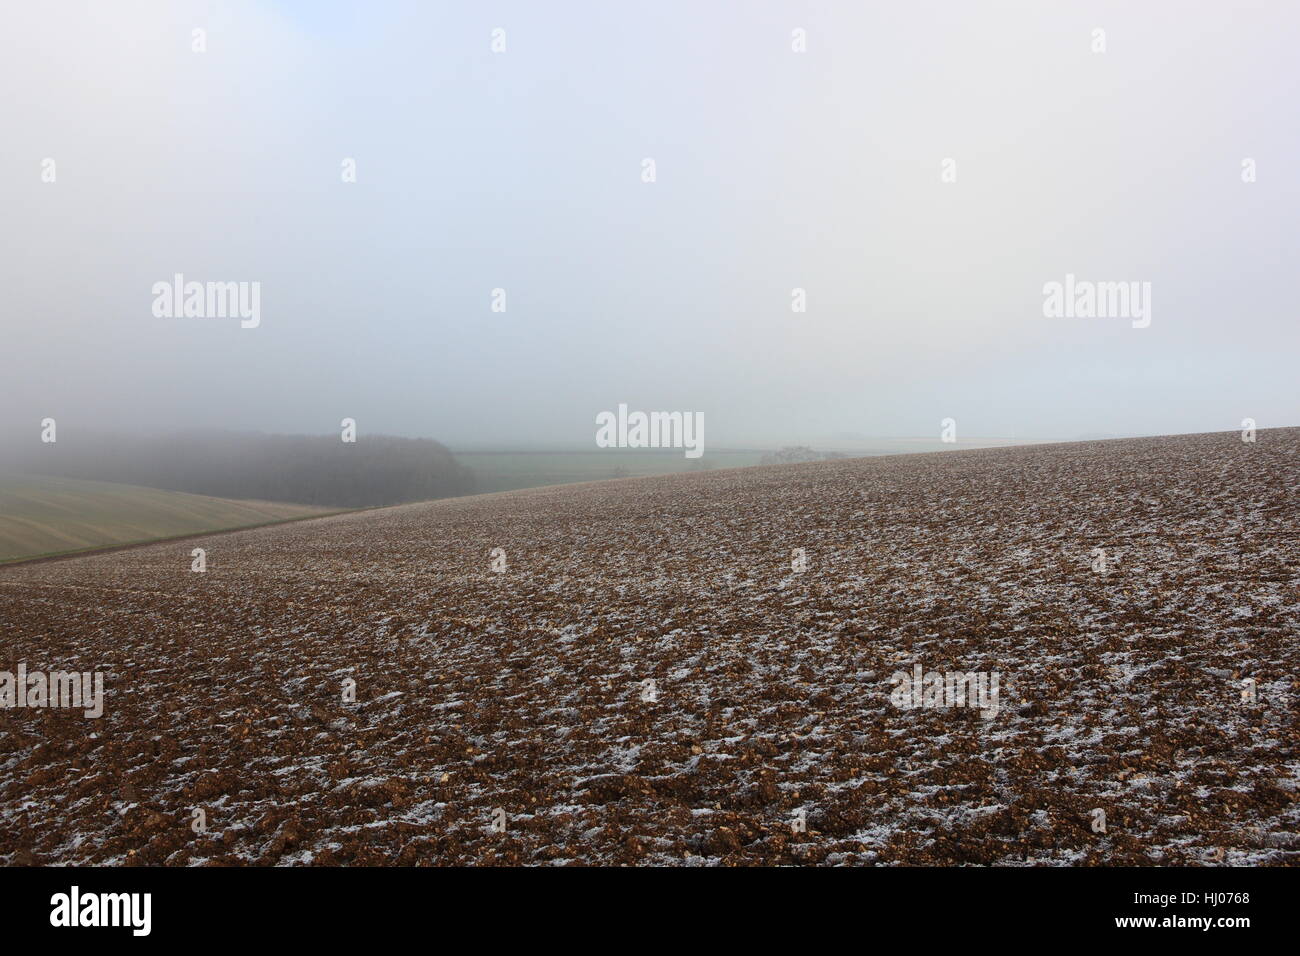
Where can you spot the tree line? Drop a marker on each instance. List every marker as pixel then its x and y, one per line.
pixel 306 469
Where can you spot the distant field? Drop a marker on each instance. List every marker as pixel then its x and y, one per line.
pixel 40 515
pixel 515 469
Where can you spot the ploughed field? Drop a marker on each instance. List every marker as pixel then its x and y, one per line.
pixel 525 691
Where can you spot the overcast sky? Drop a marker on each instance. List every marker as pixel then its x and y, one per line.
pixel 775 170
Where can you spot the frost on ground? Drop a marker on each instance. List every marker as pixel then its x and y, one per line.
pixel 526 690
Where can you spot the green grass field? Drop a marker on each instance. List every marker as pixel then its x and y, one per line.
pixel 510 470
pixel 42 516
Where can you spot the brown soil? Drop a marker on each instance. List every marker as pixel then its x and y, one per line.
pixel 524 690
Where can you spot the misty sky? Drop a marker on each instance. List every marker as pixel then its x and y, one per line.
pixel 523 170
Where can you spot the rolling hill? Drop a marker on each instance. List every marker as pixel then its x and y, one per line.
pixel 698 669
pixel 42 515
